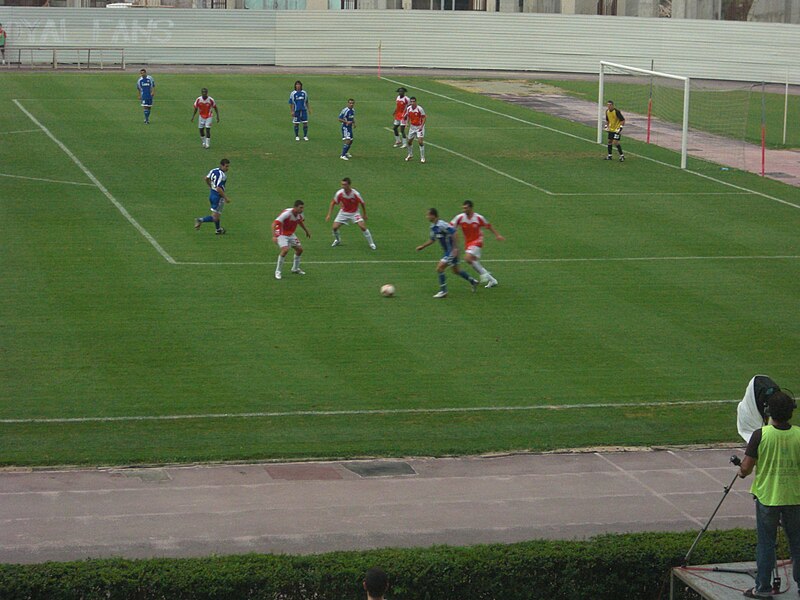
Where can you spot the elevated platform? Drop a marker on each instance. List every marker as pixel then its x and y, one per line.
pixel 727 581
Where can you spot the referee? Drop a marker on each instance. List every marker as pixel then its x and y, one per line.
pixel 614 123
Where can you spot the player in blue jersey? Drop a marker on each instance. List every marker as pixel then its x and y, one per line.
pixel 215 180
pixel 298 100
pixel 347 117
pixel 147 91
pixel 445 233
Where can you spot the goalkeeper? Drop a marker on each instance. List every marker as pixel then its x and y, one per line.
pixel 614 123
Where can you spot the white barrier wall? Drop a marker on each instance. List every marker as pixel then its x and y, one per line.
pixel 460 40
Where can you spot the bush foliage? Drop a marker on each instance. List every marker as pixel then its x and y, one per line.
pixel 631 566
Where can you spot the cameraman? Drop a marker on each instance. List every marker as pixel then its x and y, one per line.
pixel 775 448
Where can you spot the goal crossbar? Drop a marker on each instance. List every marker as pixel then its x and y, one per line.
pixel 625 68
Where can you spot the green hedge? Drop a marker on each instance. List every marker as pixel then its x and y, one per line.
pixel 629 567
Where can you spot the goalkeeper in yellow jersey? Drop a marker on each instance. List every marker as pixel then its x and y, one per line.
pixel 614 123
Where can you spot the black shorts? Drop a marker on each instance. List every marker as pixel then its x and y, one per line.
pixel 614 135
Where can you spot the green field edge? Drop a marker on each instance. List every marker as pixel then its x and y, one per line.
pixel 294 439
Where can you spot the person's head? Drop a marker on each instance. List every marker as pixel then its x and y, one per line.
pixel 346 184
pixel 351 103
pixel 204 93
pixel 610 104
pixel 433 215
pixel 468 207
pixel 143 72
pixel 402 91
pixel 224 164
pixel 781 405
pixel 376 582
pixel 413 101
pixel 298 85
pixel 298 207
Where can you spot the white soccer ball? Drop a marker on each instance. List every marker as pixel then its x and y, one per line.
pixel 387 291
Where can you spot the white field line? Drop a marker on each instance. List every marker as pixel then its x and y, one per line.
pixel 21 131
pixel 387 411
pixel 485 166
pixel 99 186
pixel 615 194
pixel 594 142
pixel 575 194
pixel 510 260
pixel 46 180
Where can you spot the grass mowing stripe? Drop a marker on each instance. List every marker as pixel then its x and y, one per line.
pixel 592 141
pixel 99 186
pixel 46 180
pixel 387 411
pixel 510 260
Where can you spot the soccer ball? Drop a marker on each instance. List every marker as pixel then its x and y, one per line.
pixel 387 291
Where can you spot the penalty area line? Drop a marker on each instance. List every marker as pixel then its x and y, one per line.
pixel 98 185
pixel 387 411
pixel 485 166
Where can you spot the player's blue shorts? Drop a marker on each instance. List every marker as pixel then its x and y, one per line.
pixel 147 101
pixel 347 132
pixel 300 116
pixel 217 203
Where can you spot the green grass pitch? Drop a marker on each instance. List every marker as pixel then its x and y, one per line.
pixel 628 285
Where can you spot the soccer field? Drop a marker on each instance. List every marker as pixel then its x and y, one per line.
pixel 635 300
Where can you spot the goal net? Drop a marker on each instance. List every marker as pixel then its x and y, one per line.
pixel 705 120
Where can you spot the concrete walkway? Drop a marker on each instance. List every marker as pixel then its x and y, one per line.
pixel 317 507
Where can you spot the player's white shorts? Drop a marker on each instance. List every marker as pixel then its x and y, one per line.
pixel 399 122
pixel 416 131
pixel 289 240
pixel 475 250
pixel 201 122
pixel 348 217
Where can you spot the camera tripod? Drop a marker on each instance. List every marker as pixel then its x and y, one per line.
pixel 776 580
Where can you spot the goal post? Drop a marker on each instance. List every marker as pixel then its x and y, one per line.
pixel 617 71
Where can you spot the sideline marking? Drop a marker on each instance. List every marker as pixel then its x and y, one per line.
pixel 99 186
pixel 592 141
pixel 47 180
pixel 388 411
pixel 512 260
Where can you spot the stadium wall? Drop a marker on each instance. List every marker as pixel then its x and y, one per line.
pixel 418 39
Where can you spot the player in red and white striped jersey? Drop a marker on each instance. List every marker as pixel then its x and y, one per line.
pixel 352 205
pixel 283 228
pixel 205 104
pixel 471 224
